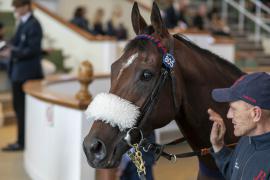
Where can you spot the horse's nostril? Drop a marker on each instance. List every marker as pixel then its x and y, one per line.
pixel 97 148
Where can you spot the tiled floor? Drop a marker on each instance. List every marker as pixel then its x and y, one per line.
pixel 11 164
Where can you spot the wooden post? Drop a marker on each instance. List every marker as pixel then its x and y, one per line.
pixel 85 77
pixel 106 174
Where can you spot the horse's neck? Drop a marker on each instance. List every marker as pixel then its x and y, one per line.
pixel 199 66
pixel 200 76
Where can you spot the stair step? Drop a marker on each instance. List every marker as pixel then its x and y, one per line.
pixel 263 56
pixel 250 55
pixel 247 43
pixel 5 97
pixel 241 39
pixel 248 47
pixel 263 61
pixel 9 114
pixel 237 34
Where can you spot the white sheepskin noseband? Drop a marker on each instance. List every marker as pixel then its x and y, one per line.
pixel 114 110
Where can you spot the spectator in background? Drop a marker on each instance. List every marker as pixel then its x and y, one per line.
pixel 24 64
pixel 200 20
pixel 98 20
pixel 79 18
pixel 175 14
pixel 182 18
pixel 3 46
pixel 1 31
pixel 115 27
pixel 171 15
pixel 217 26
pixel 266 2
pixel 122 32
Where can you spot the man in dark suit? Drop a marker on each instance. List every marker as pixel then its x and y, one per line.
pixel 24 64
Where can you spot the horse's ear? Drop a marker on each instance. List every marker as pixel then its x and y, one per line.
pixel 157 22
pixel 138 22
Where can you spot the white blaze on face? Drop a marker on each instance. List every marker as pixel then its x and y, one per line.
pixel 114 110
pixel 127 64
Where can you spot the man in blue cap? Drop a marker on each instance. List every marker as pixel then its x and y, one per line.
pixel 249 111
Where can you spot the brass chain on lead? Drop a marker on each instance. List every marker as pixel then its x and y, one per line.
pixel 137 159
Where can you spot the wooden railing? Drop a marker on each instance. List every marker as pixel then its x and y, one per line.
pixel 40 88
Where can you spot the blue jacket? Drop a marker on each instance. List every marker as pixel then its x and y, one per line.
pixel 249 161
pixel 25 62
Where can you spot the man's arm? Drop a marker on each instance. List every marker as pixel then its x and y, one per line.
pixel 222 155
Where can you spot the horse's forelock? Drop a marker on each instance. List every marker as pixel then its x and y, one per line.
pixel 137 43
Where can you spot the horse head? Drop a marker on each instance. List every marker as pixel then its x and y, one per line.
pixel 136 98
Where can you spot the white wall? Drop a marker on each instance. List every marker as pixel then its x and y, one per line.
pixel 76 47
pixel 5 5
pixel 54 136
pixel 54 142
pixel 52 5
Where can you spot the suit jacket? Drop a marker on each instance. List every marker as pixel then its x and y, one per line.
pixel 26 52
pixel 170 17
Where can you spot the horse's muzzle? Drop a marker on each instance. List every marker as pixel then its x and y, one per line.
pixel 95 151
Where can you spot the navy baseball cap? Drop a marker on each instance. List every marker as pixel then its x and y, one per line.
pixel 253 88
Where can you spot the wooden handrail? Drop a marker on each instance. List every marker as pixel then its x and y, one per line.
pixel 39 89
pixel 71 26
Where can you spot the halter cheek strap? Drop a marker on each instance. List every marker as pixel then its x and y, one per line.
pixel 168 63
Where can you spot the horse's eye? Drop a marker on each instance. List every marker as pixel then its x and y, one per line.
pixel 146 76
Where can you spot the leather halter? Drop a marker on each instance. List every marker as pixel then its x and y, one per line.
pixel 168 63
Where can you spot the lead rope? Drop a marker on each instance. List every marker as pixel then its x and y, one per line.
pixel 135 154
pixel 136 158
pixel 158 150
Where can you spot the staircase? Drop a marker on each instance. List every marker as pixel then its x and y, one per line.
pixel 250 52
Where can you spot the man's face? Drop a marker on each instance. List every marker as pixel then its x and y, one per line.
pixel 240 114
pixel 22 10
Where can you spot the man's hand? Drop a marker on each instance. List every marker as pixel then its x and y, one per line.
pixel 218 130
pixel 5 53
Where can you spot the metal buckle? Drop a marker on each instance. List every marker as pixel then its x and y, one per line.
pixel 173 158
pixel 127 138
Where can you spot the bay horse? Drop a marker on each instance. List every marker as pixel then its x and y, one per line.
pixel 136 98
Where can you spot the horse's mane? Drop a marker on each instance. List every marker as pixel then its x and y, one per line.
pixel 215 59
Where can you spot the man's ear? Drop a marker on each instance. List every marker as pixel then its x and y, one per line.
pixel 256 114
pixel 138 22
